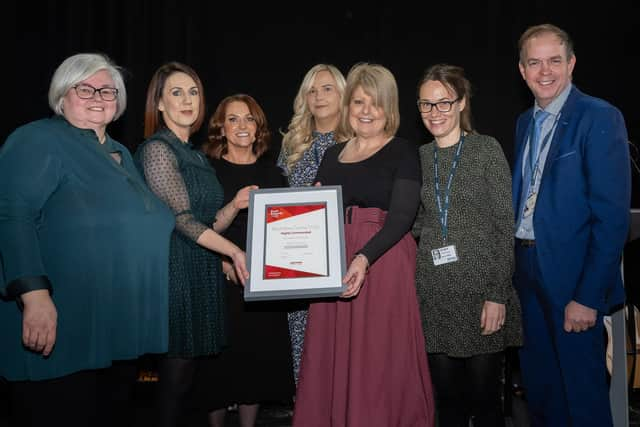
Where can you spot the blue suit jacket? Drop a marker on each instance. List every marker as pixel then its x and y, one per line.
pixel 581 218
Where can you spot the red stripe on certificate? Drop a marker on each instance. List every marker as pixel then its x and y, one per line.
pixel 272 272
pixel 276 213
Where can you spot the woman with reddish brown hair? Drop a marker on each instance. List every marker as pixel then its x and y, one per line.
pixel 257 365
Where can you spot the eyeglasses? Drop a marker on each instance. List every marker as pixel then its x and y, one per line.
pixel 442 106
pixel 85 91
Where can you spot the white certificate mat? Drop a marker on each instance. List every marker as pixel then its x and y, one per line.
pixel 295 243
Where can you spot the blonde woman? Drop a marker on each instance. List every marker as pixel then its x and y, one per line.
pixel 364 361
pixel 314 127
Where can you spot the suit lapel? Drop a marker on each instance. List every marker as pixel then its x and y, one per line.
pixel 559 135
pixel 523 130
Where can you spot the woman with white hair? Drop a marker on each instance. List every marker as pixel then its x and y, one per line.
pixel 83 257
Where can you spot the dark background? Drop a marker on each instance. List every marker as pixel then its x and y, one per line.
pixel 264 50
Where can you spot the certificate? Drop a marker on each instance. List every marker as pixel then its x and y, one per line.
pixel 295 243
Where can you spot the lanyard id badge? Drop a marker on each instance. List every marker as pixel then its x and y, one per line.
pixel 447 253
pixel 444 255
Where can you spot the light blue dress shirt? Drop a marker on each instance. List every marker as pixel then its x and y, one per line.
pixel 524 228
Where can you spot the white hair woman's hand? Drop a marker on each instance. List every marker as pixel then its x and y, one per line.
pixel 39 321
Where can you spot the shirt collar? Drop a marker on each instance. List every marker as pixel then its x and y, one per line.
pixel 556 105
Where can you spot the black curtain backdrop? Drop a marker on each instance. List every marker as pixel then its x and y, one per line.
pixel 264 50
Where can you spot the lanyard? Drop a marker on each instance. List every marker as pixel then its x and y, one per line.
pixel 444 208
pixel 545 141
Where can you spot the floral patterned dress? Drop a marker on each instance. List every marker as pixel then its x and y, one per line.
pixel 303 174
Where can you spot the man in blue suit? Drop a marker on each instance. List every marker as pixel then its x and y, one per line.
pixel 571 195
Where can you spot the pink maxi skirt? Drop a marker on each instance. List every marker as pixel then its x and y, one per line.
pixel 364 362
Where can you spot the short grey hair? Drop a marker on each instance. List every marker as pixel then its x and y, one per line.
pixel 80 67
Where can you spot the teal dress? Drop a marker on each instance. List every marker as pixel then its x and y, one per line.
pixel 182 177
pixel 77 218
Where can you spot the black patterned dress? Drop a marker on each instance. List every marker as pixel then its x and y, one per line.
pixel 480 224
pixel 183 178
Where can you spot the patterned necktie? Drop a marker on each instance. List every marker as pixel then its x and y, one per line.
pixel 534 143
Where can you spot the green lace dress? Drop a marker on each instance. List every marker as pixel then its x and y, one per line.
pixel 183 178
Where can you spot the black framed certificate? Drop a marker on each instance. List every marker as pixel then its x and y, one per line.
pixel 295 243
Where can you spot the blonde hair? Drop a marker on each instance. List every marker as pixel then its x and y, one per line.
pixel 299 135
pixel 378 82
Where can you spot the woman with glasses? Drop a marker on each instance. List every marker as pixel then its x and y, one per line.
pixel 182 177
pixel 470 311
pixel 83 254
